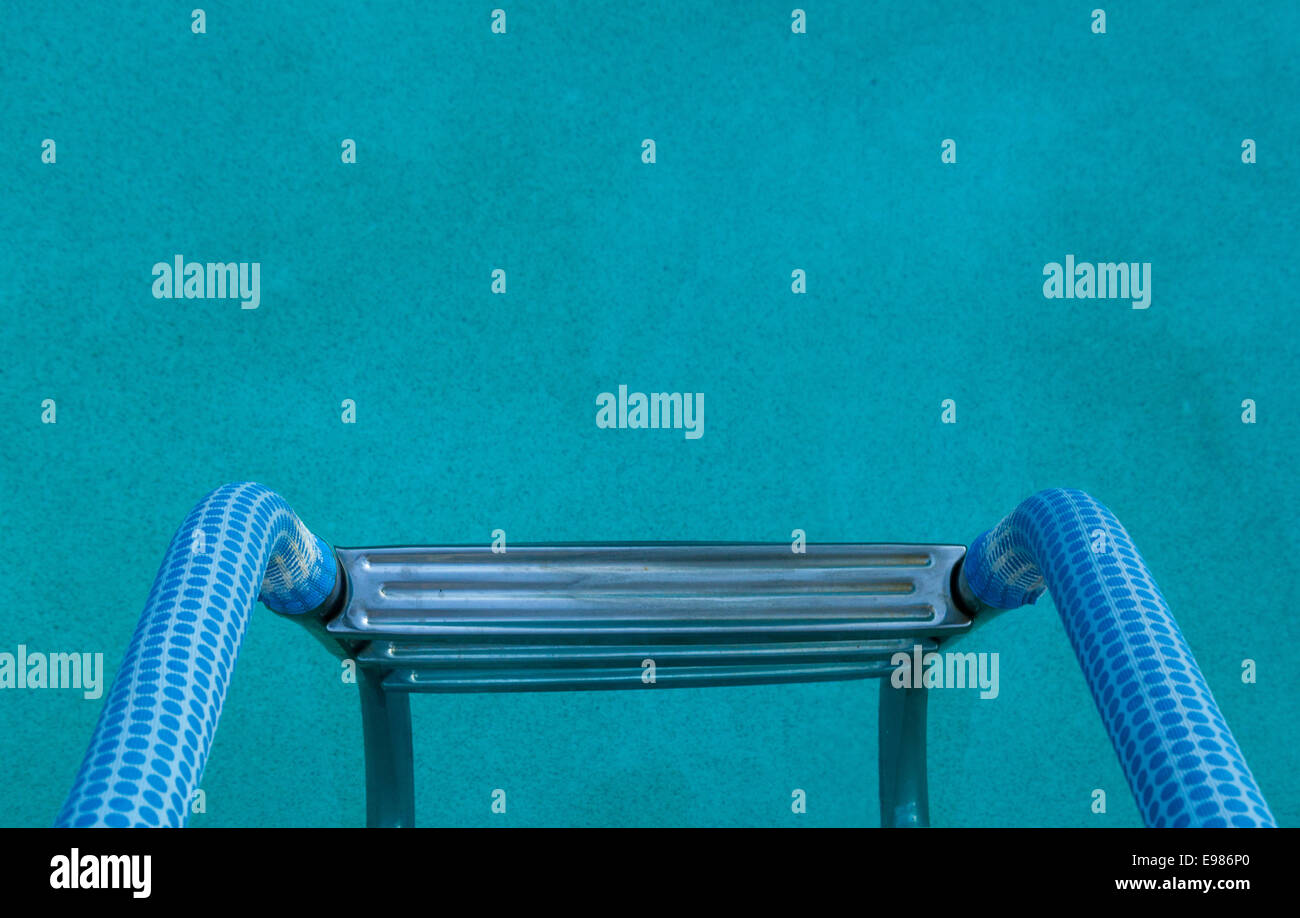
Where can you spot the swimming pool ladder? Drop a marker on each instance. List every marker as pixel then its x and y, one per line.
pixel 645 616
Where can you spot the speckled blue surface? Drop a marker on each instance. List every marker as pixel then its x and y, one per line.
pixel 476 412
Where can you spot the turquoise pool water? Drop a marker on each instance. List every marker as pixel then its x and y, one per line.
pixel 476 411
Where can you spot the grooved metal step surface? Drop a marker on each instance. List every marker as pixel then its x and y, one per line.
pixel 538 617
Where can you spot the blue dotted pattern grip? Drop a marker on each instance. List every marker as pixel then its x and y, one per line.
pixel 1181 760
pixel 242 542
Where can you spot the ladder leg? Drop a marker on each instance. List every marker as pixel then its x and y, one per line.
pixel 390 777
pixel 904 797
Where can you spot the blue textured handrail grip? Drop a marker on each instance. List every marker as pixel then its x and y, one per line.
pixel 1181 760
pixel 240 543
